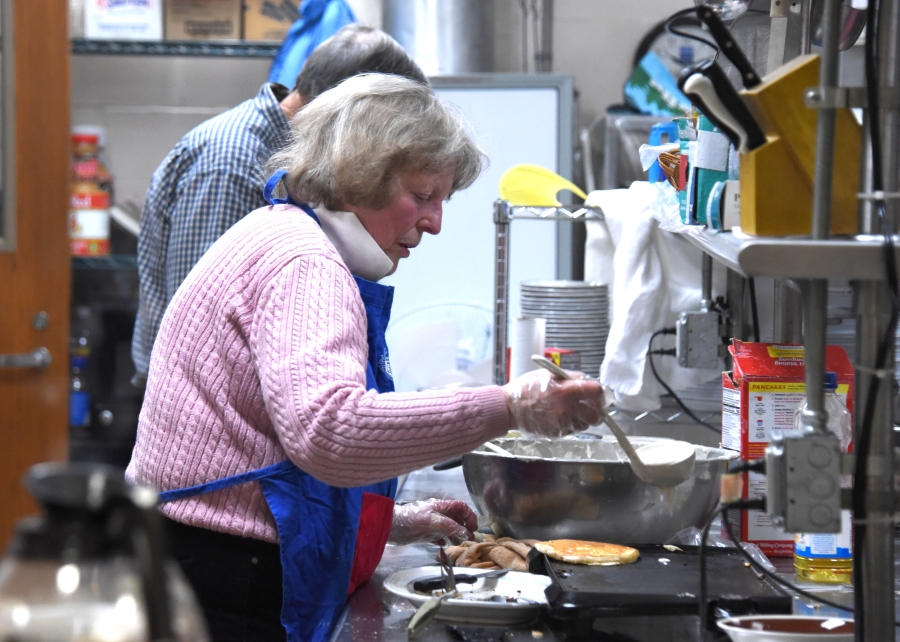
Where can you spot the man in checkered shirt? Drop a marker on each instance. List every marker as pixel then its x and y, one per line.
pixel 214 175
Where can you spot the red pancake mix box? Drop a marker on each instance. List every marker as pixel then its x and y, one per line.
pixel 759 395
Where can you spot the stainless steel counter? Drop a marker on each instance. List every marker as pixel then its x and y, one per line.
pixel 373 614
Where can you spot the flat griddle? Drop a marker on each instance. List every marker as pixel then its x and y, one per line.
pixel 652 587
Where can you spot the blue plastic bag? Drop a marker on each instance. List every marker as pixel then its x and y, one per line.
pixel 319 20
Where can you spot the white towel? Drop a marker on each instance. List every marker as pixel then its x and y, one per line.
pixel 654 275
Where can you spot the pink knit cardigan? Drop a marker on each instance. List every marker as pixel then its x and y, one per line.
pixel 261 356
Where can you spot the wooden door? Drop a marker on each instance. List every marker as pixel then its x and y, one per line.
pixel 34 275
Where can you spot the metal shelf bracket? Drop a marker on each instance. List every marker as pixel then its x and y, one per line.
pixel 504 213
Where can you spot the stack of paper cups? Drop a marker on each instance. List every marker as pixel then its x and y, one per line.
pixel 526 338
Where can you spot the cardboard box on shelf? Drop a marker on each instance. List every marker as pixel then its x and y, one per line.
pixel 269 19
pixel 203 19
pixel 123 19
pixel 759 395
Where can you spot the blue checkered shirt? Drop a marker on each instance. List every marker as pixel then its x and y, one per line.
pixel 210 180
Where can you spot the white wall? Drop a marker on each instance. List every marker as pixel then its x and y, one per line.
pixel 594 40
pixel 367 11
pixel 147 103
pixel 513 126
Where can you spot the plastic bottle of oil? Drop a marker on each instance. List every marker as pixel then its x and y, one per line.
pixel 828 557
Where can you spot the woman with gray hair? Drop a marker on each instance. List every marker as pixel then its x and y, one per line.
pixel 270 421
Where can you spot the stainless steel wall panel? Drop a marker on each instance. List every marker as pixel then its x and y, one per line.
pixel 147 103
pixel 165 80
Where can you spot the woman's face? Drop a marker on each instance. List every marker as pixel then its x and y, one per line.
pixel 398 227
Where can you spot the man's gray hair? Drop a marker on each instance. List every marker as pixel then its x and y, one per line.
pixel 354 49
pixel 347 146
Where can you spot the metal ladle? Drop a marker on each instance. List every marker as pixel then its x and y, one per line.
pixel 497 449
pixel 665 464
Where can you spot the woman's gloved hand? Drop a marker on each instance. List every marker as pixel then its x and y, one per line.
pixel 541 404
pixel 433 520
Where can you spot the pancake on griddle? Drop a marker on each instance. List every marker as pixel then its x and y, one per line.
pixel 575 551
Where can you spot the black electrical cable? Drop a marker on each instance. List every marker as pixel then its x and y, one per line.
pixel 746 466
pixel 701 594
pixel 864 438
pixel 754 312
pixel 775 578
pixel 684 17
pixel 659 29
pixel 772 576
pixel 669 390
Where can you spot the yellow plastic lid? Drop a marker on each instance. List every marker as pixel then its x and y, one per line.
pixel 534 185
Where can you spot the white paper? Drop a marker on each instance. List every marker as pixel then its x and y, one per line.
pixel 731 205
pixel 527 336
pixel 712 151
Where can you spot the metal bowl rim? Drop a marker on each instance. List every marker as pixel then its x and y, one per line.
pixel 721 454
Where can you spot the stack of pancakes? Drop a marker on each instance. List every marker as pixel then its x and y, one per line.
pixel 510 553
pixel 504 552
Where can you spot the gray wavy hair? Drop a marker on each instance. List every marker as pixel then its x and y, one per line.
pixel 347 146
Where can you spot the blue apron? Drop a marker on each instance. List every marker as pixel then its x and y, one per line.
pixel 331 538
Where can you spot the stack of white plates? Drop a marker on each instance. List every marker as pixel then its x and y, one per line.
pixel 577 314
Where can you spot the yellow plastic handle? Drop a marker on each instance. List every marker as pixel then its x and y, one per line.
pixel 535 186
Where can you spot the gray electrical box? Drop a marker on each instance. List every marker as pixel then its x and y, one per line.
pixel 697 339
pixel 803 481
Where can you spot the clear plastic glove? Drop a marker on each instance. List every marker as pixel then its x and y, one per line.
pixel 541 404
pixel 433 520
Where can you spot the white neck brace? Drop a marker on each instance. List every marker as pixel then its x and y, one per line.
pixel 360 252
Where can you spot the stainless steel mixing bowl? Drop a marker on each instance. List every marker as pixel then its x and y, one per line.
pixel 585 489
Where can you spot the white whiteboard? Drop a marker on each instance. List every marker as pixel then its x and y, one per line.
pixel 514 125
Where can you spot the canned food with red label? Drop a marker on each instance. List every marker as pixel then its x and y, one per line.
pixel 89 232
